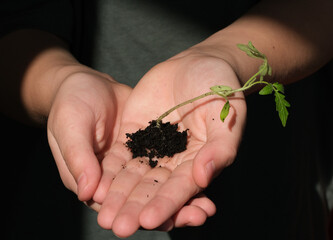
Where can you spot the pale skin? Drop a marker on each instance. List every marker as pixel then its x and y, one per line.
pixel 83 109
pixel 86 134
pixel 209 140
pixel 212 144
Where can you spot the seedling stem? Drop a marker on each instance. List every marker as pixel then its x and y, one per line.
pixel 226 91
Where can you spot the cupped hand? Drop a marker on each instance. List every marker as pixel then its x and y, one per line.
pixel 165 196
pixel 82 125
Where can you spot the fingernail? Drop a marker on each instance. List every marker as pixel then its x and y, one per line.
pixel 81 183
pixel 210 169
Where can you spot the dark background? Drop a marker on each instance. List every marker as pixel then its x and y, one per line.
pixel 275 189
pixel 270 192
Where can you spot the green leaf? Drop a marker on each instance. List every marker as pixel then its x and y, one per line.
pixel 281 107
pixel 264 68
pixel 225 111
pixel 250 45
pixel 247 50
pixel 251 51
pixel 243 47
pixel 268 89
pixel 220 88
pixel 279 87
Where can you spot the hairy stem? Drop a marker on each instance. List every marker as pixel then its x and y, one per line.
pixel 226 91
pixel 159 119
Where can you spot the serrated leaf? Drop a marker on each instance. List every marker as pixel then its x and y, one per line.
pixel 250 45
pixel 243 47
pixel 279 87
pixel 255 51
pixel 247 50
pixel 281 107
pixel 286 103
pixel 225 111
pixel 251 51
pixel 268 89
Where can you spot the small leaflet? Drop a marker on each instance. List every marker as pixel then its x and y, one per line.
pixel 225 111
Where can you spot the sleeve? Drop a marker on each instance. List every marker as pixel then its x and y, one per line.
pixel 53 16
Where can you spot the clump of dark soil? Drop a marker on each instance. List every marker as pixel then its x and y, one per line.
pixel 157 141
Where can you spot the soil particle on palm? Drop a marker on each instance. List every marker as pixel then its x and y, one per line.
pixel 157 141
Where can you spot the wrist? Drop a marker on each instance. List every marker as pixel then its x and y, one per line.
pixel 225 48
pixel 225 55
pixel 43 80
pixel 33 63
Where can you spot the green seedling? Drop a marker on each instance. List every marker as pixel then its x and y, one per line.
pixel 258 78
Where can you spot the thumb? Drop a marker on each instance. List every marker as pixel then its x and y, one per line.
pixel 77 163
pixel 212 158
pixel 221 145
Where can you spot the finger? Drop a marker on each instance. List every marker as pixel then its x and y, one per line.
pixel 190 216
pixel 111 165
pixel 172 195
pixel 195 212
pixel 167 226
pixel 93 205
pixel 115 160
pixel 120 189
pixel 202 201
pixel 126 222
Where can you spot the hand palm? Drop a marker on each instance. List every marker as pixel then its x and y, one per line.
pixel 148 197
